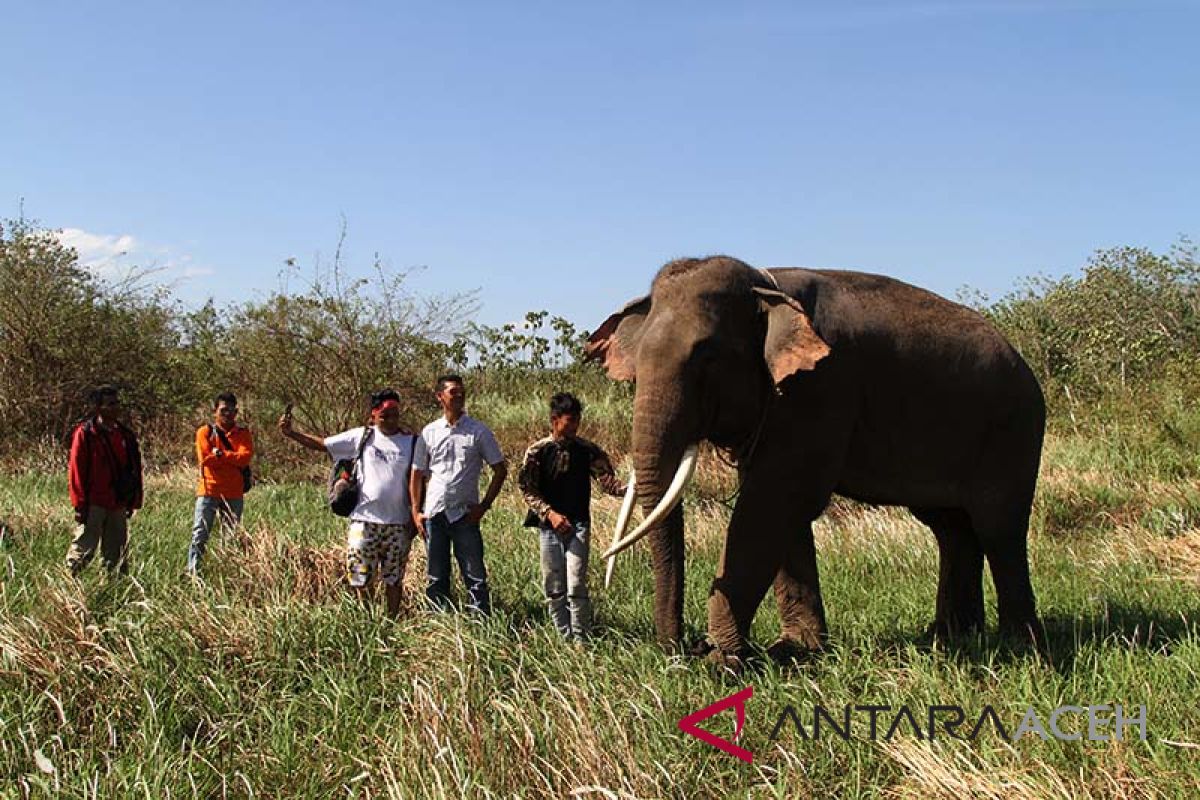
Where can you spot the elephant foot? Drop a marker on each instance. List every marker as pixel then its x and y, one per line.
pixel 726 664
pixel 1026 635
pixel 701 647
pixel 943 631
pixel 788 652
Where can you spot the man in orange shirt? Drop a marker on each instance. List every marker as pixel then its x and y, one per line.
pixel 224 450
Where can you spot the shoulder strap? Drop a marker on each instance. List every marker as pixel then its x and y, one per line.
pixel 362 443
pixel 412 455
pixel 221 435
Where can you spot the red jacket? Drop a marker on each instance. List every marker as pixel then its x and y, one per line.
pixel 90 467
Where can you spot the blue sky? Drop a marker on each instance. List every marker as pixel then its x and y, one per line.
pixel 553 155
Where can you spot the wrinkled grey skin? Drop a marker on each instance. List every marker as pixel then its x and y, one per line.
pixel 864 386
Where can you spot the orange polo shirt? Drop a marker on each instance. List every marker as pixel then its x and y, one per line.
pixel 221 476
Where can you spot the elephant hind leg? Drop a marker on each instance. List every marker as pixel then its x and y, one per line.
pixel 1003 536
pixel 959 608
pixel 798 593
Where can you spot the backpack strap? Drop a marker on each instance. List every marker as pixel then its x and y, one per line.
pixel 213 429
pixel 412 457
pixel 362 444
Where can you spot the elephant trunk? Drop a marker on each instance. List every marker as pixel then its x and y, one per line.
pixel 659 442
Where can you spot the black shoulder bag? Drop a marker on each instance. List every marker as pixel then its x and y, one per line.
pixel 343 482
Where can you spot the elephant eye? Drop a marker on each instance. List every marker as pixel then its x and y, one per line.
pixel 704 353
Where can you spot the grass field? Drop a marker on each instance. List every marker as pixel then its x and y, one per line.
pixel 268 681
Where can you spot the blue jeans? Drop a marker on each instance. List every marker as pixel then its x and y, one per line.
pixel 207 509
pixel 467 542
pixel 565 579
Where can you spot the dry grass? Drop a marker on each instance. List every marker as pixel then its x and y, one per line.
pixel 267 680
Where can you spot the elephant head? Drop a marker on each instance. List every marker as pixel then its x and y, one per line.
pixel 706 348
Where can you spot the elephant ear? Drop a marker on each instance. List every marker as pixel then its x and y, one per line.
pixel 791 344
pixel 614 343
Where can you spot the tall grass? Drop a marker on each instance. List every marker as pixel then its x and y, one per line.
pixel 267 680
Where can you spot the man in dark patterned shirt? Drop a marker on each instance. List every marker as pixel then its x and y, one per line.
pixel 555 480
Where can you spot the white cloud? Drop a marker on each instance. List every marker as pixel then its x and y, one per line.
pixel 104 254
pixel 112 256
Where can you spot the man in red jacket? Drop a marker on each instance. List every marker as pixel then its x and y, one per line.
pixel 105 477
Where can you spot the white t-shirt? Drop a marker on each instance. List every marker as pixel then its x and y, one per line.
pixel 382 473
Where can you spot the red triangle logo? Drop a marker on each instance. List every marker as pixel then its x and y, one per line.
pixel 689 724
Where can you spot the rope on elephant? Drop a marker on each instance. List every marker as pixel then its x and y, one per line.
pixel 733 457
pixel 736 460
pixel 771 278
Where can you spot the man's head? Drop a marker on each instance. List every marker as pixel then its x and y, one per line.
pixel 105 403
pixel 225 410
pixel 452 395
pixel 385 411
pixel 565 411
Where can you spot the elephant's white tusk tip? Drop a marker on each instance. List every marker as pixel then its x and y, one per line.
pixel 666 504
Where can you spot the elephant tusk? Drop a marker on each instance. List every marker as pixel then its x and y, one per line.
pixel 622 524
pixel 687 465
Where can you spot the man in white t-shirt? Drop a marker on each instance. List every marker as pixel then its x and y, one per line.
pixel 450 455
pixel 381 529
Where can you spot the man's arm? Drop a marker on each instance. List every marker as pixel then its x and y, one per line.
pixel 311 442
pixel 135 456
pixel 527 482
pixel 602 470
pixel 243 450
pixel 490 450
pixel 416 497
pixel 76 477
pixel 206 451
pixel 499 473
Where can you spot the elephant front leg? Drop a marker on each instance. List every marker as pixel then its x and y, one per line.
pixel 798 595
pixel 748 564
pixel 667 550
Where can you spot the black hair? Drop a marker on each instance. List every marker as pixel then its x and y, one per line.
pixel 565 403
pixel 228 398
pixel 382 396
pixel 96 396
pixel 444 379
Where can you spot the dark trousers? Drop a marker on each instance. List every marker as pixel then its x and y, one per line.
pixel 467 542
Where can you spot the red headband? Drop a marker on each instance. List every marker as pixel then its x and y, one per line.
pixel 386 404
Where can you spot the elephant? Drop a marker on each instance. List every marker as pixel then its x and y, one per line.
pixel 821 382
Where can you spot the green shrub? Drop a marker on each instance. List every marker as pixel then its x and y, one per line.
pixel 1127 328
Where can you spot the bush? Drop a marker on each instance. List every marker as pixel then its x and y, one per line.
pixel 329 348
pixel 64 331
pixel 1128 328
pixel 1121 341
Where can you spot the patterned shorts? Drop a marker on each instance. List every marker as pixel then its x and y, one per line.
pixel 373 546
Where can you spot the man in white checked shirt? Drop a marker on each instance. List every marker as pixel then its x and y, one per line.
pixel 444 488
